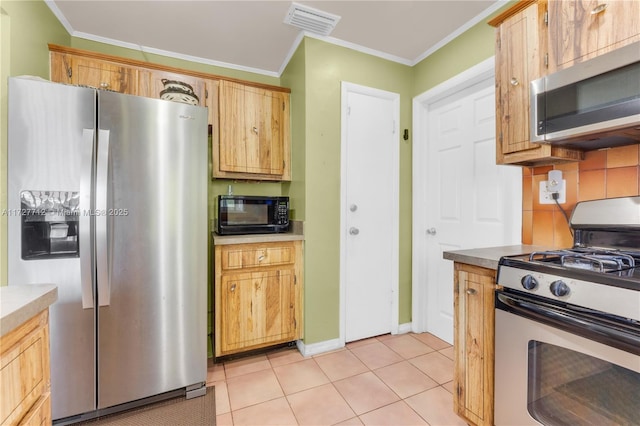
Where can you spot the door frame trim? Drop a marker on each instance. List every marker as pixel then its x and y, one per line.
pixel 420 213
pixel 394 227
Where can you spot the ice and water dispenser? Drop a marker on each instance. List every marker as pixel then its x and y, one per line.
pixel 49 224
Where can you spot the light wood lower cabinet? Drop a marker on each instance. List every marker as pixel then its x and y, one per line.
pixel 474 320
pixel 258 295
pixel 25 397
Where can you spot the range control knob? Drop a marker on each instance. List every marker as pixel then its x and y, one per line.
pixel 559 288
pixel 529 282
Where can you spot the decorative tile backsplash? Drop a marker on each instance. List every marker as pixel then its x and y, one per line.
pixel 606 173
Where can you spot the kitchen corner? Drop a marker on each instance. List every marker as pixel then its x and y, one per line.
pixel 24 353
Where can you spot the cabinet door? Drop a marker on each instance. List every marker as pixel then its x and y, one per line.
pixel 582 29
pixel 104 75
pixel 518 62
pixel 152 84
pixel 474 343
pixel 253 130
pixel 257 308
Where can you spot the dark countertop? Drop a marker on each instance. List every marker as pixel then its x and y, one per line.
pixel 295 234
pixel 488 257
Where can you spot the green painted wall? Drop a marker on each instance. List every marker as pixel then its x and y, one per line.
pixel 26 28
pixel 314 74
pixel 325 67
pixel 470 48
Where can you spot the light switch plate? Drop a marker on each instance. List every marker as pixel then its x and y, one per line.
pixel 545 194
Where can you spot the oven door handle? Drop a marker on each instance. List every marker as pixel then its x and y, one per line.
pixel 584 324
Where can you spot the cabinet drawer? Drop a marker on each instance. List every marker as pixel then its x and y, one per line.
pixel 252 256
pixel 23 376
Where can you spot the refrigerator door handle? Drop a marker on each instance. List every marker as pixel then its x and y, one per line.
pixel 102 255
pixel 86 277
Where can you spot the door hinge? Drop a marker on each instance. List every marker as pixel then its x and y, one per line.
pixel 546 60
pixel 283 106
pixel 546 18
pixel 206 93
pixel 295 324
pixel 284 164
pixel 295 279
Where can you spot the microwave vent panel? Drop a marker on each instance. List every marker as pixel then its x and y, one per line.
pixel 312 20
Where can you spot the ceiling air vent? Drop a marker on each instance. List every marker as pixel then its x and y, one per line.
pixel 310 19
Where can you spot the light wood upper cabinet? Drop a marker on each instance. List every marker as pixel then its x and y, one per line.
pixel 583 29
pixel 72 69
pixel 254 133
pixel 520 58
pixel 474 338
pixel 257 296
pixel 152 83
pixel 249 122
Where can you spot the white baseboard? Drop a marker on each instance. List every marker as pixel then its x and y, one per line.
pixel 335 344
pixel 318 348
pixel 407 327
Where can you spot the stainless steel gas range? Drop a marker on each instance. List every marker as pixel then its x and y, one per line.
pixel 568 324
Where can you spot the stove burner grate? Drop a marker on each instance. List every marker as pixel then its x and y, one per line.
pixel 599 260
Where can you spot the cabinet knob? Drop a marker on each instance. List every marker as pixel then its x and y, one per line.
pixel 254 130
pixel 471 291
pixel 514 81
pixel 431 231
pixel 233 288
pixel 261 258
pixel 354 231
pixel 599 9
pixel 104 85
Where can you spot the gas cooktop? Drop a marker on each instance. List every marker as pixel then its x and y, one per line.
pixel 600 272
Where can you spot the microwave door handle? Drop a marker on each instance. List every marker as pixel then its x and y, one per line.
pixel 102 253
pixel 84 218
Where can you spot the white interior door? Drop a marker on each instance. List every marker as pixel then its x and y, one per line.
pixel 369 212
pixel 467 200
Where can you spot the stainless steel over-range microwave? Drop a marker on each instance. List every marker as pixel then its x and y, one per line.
pixel 247 214
pixel 590 105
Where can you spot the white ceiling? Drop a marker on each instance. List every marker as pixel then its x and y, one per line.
pixel 252 35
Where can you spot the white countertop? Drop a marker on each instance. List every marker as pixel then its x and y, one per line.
pixel 19 303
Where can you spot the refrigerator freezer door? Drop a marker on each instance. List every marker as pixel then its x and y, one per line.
pixel 152 334
pixel 50 126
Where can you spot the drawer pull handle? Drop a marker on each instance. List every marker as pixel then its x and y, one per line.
pixel 599 9
pixel 261 258
pixel 104 85
pixel 471 291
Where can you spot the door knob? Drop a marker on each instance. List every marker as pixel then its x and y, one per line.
pixel 353 207
pixel 431 231
pixel 354 231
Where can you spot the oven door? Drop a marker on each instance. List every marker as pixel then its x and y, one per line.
pixel 549 372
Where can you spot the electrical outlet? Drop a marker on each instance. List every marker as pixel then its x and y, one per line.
pixel 545 194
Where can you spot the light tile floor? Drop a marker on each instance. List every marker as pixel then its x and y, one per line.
pixel 386 380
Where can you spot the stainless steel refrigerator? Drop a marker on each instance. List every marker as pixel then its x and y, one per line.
pixel 107 198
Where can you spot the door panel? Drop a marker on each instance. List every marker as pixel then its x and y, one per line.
pixel 45 140
pixel 370 224
pixel 152 333
pixel 472 201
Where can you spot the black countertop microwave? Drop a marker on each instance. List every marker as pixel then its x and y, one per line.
pixel 250 214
